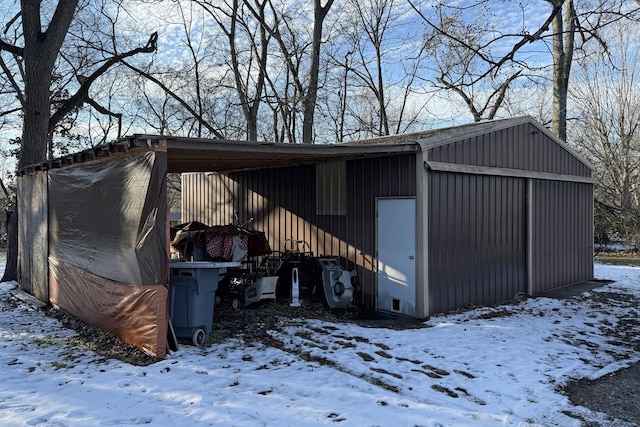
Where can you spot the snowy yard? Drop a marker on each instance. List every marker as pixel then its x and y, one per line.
pixel 485 367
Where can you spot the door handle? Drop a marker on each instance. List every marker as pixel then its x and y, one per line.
pixel 412 257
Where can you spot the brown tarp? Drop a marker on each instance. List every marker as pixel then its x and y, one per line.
pixel 108 254
pixel 137 314
pixel 110 218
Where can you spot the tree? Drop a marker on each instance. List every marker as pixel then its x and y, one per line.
pixel 476 58
pixel 568 24
pixel 36 61
pixel 376 72
pixel 249 65
pixel 564 31
pixel 607 129
pixel 292 51
pixel 456 65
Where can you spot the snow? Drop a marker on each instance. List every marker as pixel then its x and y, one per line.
pixel 484 367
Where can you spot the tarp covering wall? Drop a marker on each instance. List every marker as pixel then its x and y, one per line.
pixel 110 219
pixel 137 314
pixel 108 259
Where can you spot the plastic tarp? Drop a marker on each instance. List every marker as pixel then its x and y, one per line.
pixel 137 314
pixel 108 255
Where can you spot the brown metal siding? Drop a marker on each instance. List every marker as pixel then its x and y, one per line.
pixel 520 147
pixel 562 247
pixel 477 240
pixel 282 203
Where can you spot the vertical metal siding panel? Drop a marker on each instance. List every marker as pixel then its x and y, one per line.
pixel 450 197
pixel 358 226
pixel 433 247
pixel 532 163
pixel 473 247
pixel 184 196
pixel 491 237
pixel 510 148
pixel 523 142
pixel 480 241
pixel 563 230
pixel 369 238
pixel 464 239
pixel 279 220
pixel 477 150
pixel 214 198
pixel 435 244
pixel 203 200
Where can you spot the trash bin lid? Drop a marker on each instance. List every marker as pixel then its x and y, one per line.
pixel 203 264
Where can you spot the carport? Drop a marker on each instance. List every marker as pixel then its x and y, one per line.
pixel 93 226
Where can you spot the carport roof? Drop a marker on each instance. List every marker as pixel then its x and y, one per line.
pixel 210 155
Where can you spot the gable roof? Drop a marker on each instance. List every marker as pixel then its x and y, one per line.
pixel 214 155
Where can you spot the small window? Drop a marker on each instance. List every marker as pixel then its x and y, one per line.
pixel 331 192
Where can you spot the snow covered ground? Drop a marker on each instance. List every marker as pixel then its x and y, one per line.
pixel 485 367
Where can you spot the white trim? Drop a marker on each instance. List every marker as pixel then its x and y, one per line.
pixel 422 238
pixel 517 173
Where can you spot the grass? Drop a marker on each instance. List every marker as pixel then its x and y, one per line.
pixel 619 259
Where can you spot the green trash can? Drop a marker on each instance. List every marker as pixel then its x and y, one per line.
pixel 192 288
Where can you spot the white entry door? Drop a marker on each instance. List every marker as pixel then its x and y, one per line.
pixel 396 232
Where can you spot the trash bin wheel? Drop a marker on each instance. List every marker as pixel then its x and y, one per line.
pixel 198 337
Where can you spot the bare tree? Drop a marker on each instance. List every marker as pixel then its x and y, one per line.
pixel 568 26
pixel 607 130
pixel 293 51
pixel 249 64
pixel 469 56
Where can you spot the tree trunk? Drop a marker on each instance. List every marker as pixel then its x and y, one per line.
pixel 11 269
pixel 309 100
pixel 35 132
pixel 563 41
pixel 40 52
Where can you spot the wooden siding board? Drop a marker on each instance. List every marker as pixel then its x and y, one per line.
pixel 33 232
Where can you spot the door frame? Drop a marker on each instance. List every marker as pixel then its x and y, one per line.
pixel 416 303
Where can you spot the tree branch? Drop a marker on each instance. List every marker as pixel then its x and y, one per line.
pixel 182 102
pixel 4 189
pixel 83 92
pixel 107 112
pixel 7 112
pixel 16 50
pixel 494 65
pixel 14 83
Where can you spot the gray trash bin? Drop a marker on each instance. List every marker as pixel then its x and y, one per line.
pixel 192 288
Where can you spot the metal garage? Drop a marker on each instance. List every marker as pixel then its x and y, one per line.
pixel 431 222
pixel 477 214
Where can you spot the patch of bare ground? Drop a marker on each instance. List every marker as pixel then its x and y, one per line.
pixel 103 343
pixel 615 395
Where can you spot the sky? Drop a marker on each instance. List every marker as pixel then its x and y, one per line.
pixel 484 367
pixel 142 18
